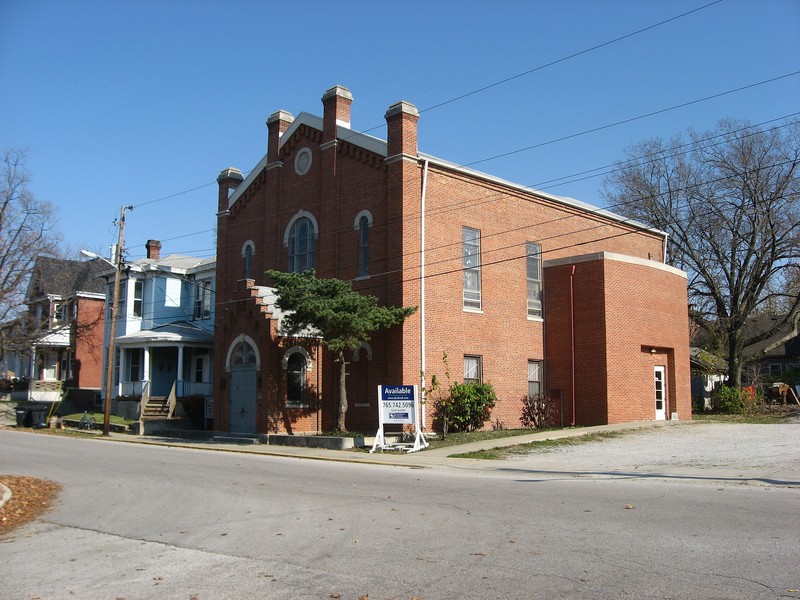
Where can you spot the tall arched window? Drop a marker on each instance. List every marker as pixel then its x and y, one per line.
pixel 302 245
pixel 362 225
pixel 363 247
pixel 296 379
pixel 247 254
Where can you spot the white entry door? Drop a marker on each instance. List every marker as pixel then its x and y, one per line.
pixel 660 393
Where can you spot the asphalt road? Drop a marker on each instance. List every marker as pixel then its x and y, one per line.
pixel 654 514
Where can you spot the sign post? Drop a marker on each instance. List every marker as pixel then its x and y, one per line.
pixel 398 404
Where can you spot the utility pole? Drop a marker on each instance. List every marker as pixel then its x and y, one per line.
pixel 111 357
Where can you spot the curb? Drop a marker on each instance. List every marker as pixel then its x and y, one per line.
pixel 5 495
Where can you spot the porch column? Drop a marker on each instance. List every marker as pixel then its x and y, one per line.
pixel 180 371
pixel 123 369
pixel 145 365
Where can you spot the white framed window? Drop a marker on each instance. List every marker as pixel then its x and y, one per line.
pixel 202 299
pixel 138 293
pixel 533 267
pixel 473 369
pixel 471 264
pixel 534 378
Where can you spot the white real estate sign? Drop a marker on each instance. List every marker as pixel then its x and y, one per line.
pixel 398 404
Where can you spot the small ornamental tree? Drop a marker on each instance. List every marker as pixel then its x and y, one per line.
pixel 343 317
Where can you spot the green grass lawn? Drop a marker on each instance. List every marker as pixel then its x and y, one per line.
pixel 98 418
pixel 543 445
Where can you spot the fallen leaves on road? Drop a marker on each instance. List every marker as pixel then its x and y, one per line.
pixel 30 498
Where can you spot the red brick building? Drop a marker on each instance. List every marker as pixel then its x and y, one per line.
pixel 476 254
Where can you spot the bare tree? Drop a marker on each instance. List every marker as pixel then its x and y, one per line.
pixel 729 201
pixel 26 231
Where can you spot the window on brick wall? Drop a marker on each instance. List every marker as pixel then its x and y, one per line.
pixel 363 225
pixel 302 245
pixel 471 264
pixel 473 369
pixel 296 379
pixel 534 378
pixel 533 265
pixel 248 250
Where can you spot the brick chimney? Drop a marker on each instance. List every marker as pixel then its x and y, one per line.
pixel 336 103
pixel 153 249
pixel 401 138
pixel 228 180
pixel 277 124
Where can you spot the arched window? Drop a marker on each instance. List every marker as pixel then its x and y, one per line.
pixel 243 355
pixel 363 247
pixel 296 368
pixel 302 245
pixel 247 253
pixel 362 225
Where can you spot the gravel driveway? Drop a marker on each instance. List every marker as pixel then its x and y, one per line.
pixel 758 454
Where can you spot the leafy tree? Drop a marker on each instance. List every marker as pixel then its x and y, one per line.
pixel 26 231
pixel 343 317
pixel 729 201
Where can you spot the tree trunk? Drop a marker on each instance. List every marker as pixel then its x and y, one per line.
pixel 340 422
pixel 734 375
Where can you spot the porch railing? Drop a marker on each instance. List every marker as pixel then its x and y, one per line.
pixel 194 388
pixel 183 388
pixel 131 388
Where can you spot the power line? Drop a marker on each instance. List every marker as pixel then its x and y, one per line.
pixel 498 83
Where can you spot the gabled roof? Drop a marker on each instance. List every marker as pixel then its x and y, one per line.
pixel 379 147
pixel 174 263
pixel 62 277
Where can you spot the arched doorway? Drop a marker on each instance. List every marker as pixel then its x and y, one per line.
pixel 243 364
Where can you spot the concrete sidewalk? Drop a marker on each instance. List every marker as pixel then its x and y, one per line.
pixel 421 459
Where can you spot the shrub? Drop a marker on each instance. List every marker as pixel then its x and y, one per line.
pixel 470 405
pixel 537 411
pixel 728 399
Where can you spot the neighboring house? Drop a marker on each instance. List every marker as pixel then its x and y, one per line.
pixel 59 339
pixel 522 289
pixel 165 331
pixel 776 358
pixel 708 373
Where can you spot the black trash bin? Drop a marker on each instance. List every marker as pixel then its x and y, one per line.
pixel 32 415
pixel 39 415
pixel 22 416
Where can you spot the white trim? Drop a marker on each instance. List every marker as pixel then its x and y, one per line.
pixel 299 215
pixel 296 350
pixel 363 213
pixel 242 338
pixel 634 260
pixel 359 348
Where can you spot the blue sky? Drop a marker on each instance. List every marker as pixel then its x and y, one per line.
pixel 144 103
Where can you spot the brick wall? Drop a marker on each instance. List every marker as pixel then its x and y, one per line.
pixel 629 316
pixel 345 179
pixel 88 343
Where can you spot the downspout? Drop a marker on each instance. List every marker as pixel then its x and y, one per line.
pixel 422 288
pixel 664 251
pixel 572 336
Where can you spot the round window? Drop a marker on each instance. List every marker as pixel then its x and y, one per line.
pixel 302 162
